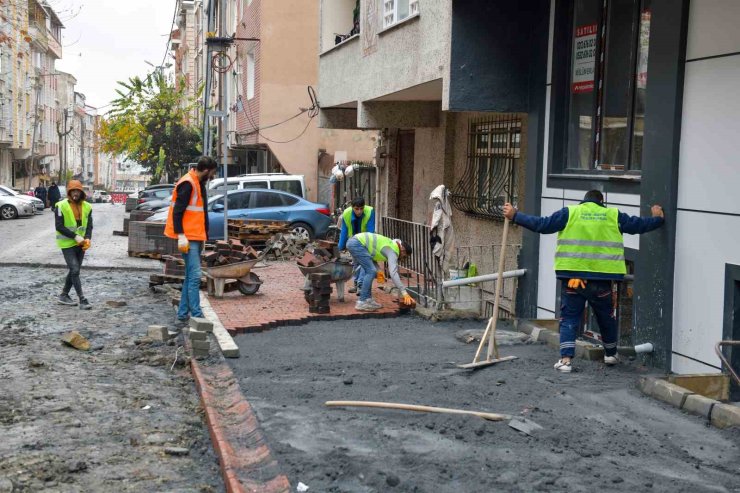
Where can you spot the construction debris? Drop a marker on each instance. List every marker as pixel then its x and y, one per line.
pixel 285 246
pixel 228 252
pixel 76 340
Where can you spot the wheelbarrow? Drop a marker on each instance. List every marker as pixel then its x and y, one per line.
pixel 340 271
pixel 247 281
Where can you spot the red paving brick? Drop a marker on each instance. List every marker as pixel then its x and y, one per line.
pixel 280 302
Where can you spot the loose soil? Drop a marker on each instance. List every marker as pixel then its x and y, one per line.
pixel 115 418
pixel 599 432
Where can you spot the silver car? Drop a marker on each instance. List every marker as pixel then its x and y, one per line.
pixel 12 206
pixel 36 202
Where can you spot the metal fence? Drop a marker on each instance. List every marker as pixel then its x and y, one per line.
pixel 360 184
pixel 419 271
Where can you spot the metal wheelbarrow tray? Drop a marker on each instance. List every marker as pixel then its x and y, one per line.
pixel 247 281
pixel 340 271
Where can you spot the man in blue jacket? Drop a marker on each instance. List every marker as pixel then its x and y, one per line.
pixel 588 258
pixel 359 218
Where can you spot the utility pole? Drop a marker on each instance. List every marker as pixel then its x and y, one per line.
pixel 224 88
pixel 209 78
pixel 63 147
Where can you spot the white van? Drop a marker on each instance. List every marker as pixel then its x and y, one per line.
pixel 294 184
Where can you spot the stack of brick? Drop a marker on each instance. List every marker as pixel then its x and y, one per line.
pixel 317 257
pixel 255 230
pixel 198 334
pixel 318 297
pixel 285 246
pixel 229 252
pixel 173 266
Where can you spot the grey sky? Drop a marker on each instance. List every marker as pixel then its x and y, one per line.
pixel 115 38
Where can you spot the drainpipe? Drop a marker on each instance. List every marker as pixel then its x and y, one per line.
pixel 484 278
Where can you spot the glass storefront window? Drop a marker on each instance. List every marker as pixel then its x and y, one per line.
pixel 608 82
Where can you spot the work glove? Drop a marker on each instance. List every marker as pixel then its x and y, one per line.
pixel 183 244
pixel 406 299
pixel 85 244
pixel 576 283
pixel 79 239
pixel 434 239
pixel 380 277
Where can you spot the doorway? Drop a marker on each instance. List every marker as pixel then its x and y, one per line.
pixel 405 183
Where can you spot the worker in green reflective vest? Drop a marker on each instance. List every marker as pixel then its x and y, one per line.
pixel 367 249
pixel 589 257
pixel 74 225
pixel 358 218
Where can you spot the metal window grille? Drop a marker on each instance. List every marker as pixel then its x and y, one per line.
pixel 490 179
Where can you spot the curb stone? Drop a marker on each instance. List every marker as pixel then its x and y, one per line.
pixel 719 414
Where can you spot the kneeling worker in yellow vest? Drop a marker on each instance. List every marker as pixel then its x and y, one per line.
pixel 187 223
pixel 74 225
pixel 367 249
pixel 588 258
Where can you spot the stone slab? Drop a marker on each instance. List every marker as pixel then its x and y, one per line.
pixel 699 405
pixel 713 385
pixel 224 340
pixel 202 324
pixel 670 393
pixel 205 345
pixel 726 415
pixel 197 335
pixel 157 332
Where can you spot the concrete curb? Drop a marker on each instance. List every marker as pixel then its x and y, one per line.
pixel 156 268
pixel 719 414
pixel 246 462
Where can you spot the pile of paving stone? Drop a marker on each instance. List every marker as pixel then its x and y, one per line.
pixel 228 252
pixel 320 293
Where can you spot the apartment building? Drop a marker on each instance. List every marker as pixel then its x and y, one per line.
pixel 636 99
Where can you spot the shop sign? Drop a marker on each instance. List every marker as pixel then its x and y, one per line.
pixel 584 59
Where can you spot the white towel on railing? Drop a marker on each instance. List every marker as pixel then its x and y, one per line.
pixel 441 225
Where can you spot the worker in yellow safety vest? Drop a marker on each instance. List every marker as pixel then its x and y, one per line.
pixel 358 218
pixel 367 249
pixel 589 257
pixel 74 225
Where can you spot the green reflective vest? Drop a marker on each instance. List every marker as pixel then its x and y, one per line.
pixel 591 241
pixel 375 243
pixel 347 216
pixel 71 223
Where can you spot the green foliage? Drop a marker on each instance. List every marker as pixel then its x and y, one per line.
pixel 148 124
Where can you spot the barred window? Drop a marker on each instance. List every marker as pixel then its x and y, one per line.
pixel 490 178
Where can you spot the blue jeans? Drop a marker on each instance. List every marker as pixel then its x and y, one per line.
pixel 190 297
pixel 598 294
pixel 366 267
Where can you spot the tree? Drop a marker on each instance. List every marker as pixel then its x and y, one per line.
pixel 148 124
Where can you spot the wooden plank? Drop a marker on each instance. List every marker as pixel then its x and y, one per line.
pixel 413 407
pixel 481 364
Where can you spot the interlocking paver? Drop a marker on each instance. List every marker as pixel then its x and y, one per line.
pixel 280 301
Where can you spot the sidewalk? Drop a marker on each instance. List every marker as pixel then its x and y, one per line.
pixel 280 302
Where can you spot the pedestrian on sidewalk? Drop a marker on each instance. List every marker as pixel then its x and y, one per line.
pixel 40 193
pixel 74 226
pixel 54 195
pixel 589 257
pixel 359 218
pixel 187 222
pixel 367 249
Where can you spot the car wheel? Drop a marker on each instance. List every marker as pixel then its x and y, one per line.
pixel 8 212
pixel 302 230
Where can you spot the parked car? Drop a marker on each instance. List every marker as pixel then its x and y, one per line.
pixel 159 186
pixel 37 204
pixel 14 205
pixel 155 194
pixel 105 197
pixel 294 184
pixel 307 219
pixel 155 205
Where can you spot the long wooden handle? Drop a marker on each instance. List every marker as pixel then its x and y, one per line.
pixel 421 409
pixel 492 346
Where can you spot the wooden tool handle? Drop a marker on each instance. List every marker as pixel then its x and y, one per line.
pixel 421 409
pixel 492 346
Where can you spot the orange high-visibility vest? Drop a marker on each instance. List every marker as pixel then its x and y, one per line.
pixel 193 221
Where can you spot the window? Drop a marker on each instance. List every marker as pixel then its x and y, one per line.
pixel 253 184
pixel 490 178
pixel 266 199
pixel 290 186
pixel 397 10
pixel 287 200
pixel 608 80
pixel 250 74
pixel 239 200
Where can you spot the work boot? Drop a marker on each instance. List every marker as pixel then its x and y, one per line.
pixel 353 289
pixel 64 299
pixel 84 304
